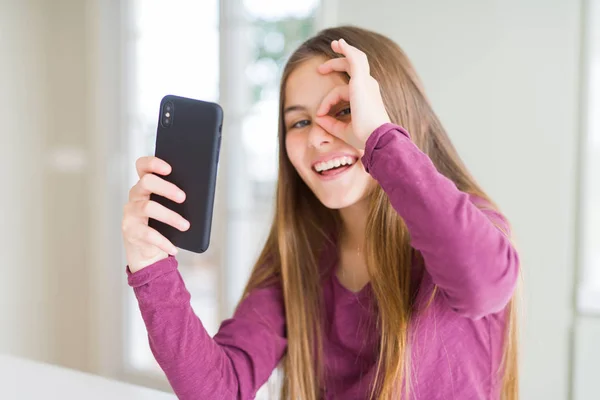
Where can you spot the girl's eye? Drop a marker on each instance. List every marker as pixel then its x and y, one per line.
pixel 344 112
pixel 300 124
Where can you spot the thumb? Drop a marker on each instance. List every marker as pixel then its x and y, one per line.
pixel 333 125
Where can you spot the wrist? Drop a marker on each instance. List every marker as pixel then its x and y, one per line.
pixel 376 124
pixel 138 265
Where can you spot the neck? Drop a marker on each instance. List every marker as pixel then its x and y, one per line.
pixel 354 223
pixel 352 271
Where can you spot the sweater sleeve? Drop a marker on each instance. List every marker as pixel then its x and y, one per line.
pixel 472 262
pixel 232 365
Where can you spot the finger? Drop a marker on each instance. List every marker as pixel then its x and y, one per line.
pixel 151 183
pixel 151 164
pixel 334 126
pixel 150 236
pixel 335 64
pixel 335 96
pixel 335 46
pixel 356 58
pixel 154 210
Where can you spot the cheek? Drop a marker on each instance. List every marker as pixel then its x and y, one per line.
pixel 295 149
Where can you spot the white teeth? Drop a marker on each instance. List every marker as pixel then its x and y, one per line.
pixel 334 163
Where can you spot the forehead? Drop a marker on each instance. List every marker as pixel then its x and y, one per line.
pixel 307 87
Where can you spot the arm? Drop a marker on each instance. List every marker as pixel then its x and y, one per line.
pixel 471 261
pixel 235 363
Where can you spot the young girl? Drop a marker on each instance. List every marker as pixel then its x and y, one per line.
pixel 388 273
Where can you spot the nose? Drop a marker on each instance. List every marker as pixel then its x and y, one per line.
pixel 319 137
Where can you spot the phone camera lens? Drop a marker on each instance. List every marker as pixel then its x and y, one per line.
pixel 167 114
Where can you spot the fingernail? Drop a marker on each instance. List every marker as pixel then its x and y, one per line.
pixel 174 250
pixel 184 225
pixel 181 196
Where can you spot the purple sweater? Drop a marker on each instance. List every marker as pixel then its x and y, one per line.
pixel 456 344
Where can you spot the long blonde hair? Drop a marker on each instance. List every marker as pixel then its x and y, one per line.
pixel 302 226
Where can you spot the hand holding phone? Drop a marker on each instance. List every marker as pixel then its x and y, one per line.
pixel 143 244
pixel 172 203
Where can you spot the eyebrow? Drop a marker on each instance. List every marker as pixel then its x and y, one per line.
pixel 294 108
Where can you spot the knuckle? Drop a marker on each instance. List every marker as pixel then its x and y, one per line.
pixel 132 192
pixel 145 181
pixel 124 226
pixel 360 55
pixel 146 207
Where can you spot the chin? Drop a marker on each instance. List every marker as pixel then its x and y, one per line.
pixel 337 201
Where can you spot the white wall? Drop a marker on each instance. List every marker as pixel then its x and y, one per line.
pixel 44 290
pixel 586 349
pixel 23 295
pixel 503 77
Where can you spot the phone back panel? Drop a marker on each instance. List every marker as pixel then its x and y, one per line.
pixel 190 144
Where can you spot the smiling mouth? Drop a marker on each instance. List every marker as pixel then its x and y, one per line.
pixel 335 166
pixel 335 171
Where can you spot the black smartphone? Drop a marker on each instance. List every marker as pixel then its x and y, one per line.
pixel 188 137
